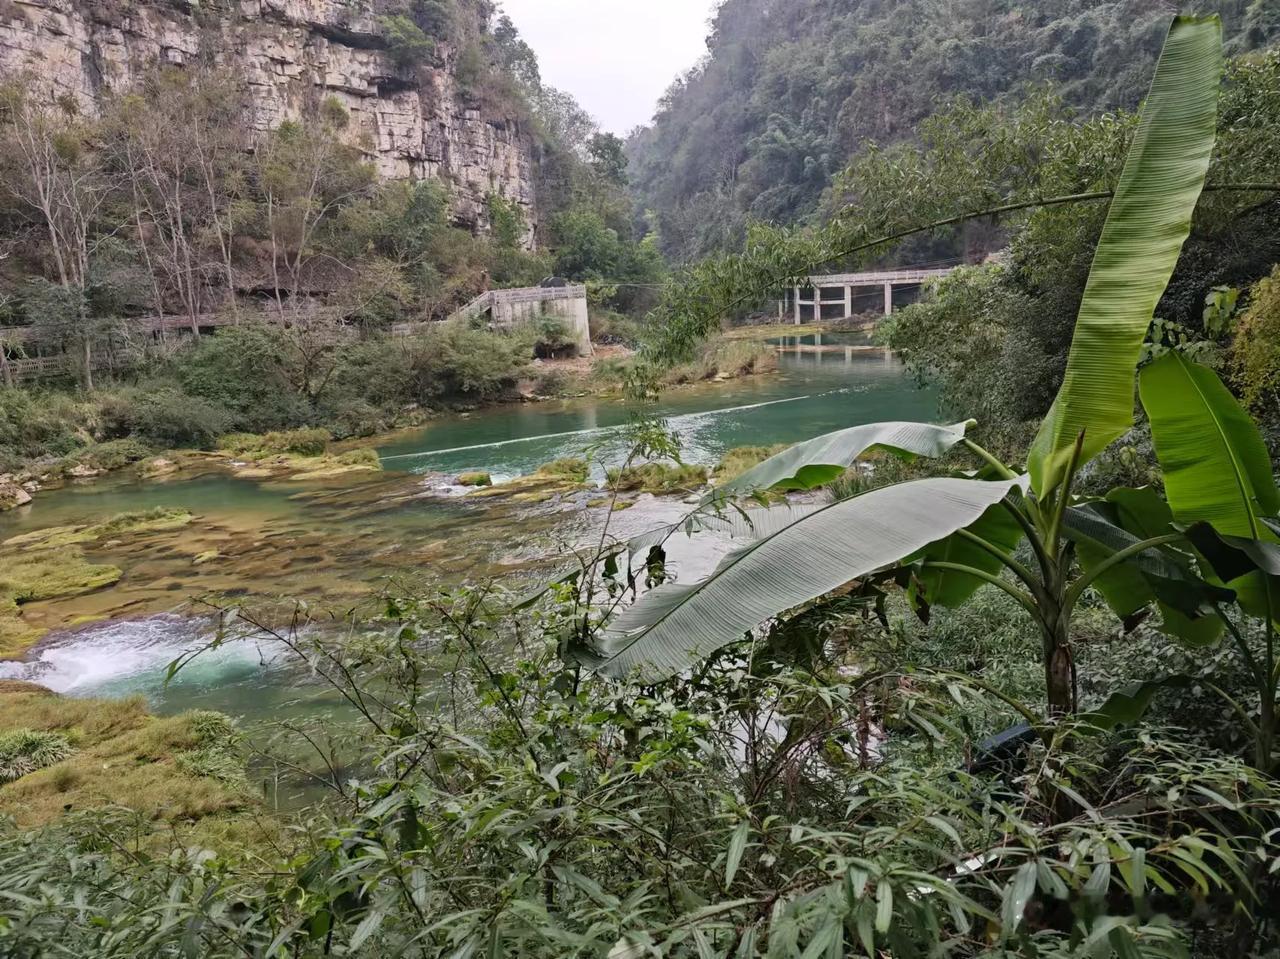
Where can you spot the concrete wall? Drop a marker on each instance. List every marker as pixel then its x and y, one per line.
pixel 572 310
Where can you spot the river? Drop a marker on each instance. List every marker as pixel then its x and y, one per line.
pixel 333 545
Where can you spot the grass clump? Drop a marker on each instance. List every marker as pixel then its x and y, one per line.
pixel 475 478
pixel 23 751
pixel 658 478
pixel 360 456
pixel 172 768
pixel 307 441
pixel 737 461
pixel 725 359
pixel 570 468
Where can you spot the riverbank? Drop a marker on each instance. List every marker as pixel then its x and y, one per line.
pixel 330 545
pixel 98 454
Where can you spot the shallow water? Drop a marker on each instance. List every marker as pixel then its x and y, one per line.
pixel 812 393
pixel 335 544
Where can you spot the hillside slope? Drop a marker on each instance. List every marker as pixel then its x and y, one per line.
pixel 789 91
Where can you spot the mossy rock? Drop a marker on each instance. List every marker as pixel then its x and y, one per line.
pixel 16 635
pixel 34 576
pixel 123 524
pixel 474 479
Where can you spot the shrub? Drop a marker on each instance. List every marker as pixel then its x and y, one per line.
pixel 569 468
pixel 458 362
pixel 38 423
pixel 407 45
pixel 658 478
pixel 163 415
pixel 112 455
pixel 245 370
pixel 24 751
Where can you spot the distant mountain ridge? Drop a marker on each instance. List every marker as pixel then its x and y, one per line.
pixel 790 90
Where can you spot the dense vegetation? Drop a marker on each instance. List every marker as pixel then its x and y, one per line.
pixel 169 203
pixel 789 92
pixel 793 756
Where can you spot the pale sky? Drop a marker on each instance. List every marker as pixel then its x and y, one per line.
pixel 616 57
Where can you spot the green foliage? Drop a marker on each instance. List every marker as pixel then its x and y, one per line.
pixel 657 478
pixel 506 222
pixel 23 751
pixel 1255 351
pixel 162 415
pixel 788 93
pixel 247 372
pixel 34 423
pixel 407 44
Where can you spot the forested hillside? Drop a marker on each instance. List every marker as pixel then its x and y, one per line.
pixel 789 91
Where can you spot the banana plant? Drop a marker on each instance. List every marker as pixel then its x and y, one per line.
pixel 955 534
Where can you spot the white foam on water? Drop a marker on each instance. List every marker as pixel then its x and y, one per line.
pixel 132 655
pixel 686 417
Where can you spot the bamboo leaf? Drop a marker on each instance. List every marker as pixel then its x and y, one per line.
pixel 1147 224
pixel 737 845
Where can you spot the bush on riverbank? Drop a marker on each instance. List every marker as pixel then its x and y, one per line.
pixel 657 478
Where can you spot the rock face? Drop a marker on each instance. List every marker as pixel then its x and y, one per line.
pixel 414 123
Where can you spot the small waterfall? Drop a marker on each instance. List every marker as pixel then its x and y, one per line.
pixel 129 656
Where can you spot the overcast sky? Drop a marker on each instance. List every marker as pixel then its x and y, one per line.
pixel 616 57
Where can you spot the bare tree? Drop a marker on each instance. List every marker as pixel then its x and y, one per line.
pixel 51 169
pixel 179 142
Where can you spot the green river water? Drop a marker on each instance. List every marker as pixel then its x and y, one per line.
pixel 335 545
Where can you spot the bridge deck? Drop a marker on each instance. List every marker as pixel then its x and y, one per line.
pixel 847 283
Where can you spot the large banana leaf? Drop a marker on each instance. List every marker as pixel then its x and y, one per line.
pixel 675 625
pixel 1216 467
pixel 950 588
pixel 1162 576
pixel 822 459
pixel 1148 222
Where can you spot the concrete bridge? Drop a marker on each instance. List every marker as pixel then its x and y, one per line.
pixel 831 297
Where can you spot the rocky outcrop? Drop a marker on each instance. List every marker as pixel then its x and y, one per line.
pixel 414 123
pixel 12 494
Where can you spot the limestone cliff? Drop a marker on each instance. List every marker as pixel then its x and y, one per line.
pixel 414 123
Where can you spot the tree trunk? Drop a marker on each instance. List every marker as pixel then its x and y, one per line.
pixel 87 358
pixel 1059 660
